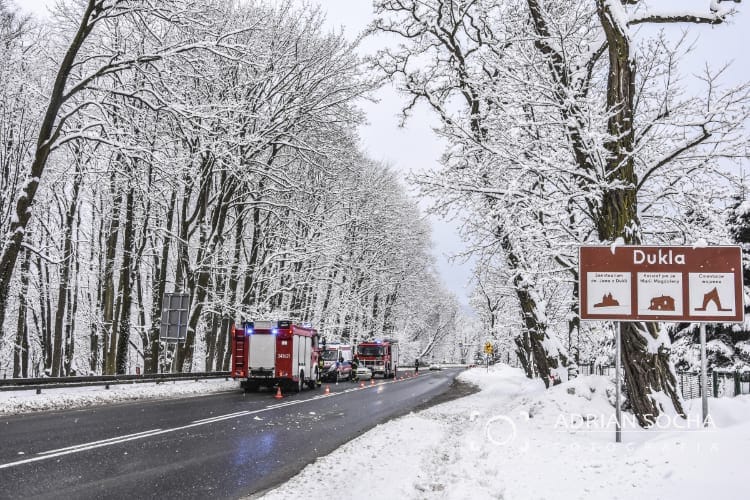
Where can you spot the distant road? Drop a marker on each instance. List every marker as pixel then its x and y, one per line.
pixel 224 445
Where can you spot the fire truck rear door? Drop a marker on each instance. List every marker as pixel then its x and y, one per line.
pixel 262 351
pixel 305 352
pixel 295 355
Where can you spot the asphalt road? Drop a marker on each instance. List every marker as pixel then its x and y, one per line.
pixel 225 445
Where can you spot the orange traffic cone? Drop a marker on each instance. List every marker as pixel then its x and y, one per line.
pixel 361 385
pixel 278 393
pixel 328 390
pixel 372 381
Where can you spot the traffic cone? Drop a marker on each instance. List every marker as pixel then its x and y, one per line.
pixel 372 381
pixel 278 393
pixel 361 385
pixel 328 390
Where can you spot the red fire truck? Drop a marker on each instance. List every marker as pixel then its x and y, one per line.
pixel 271 353
pixel 380 356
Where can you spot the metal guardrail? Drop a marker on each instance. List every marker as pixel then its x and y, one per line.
pixel 27 384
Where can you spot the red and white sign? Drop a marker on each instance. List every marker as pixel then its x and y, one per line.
pixel 649 283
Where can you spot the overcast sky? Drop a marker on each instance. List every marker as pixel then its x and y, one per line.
pixel 415 148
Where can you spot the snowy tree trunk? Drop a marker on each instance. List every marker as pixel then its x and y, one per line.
pixel 126 286
pixel 21 350
pixel 646 372
pixel 224 352
pixel 212 234
pixel 158 287
pixel 65 283
pixel 107 282
pixel 45 314
pixel 72 311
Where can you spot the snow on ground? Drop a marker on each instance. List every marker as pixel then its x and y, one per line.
pixel 516 440
pixel 512 440
pixel 14 402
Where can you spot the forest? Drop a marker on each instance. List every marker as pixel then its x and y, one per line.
pixel 206 148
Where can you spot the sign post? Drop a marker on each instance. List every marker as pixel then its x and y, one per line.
pixel 668 284
pixel 704 377
pixel 618 415
pixel 487 353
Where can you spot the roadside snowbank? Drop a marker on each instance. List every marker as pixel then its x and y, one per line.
pixel 516 440
pixel 14 402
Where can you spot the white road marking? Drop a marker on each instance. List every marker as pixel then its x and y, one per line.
pixel 103 441
pixel 220 417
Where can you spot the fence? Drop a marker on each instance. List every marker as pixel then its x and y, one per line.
pixel 690 385
pixel 16 384
pixel 721 383
pixel 593 369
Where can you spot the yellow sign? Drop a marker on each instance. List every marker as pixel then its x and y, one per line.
pixel 488 348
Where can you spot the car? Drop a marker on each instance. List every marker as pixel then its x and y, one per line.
pixel 435 366
pixel 338 371
pixel 363 372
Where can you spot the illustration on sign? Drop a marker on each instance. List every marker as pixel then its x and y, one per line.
pixel 662 303
pixel 660 294
pixel 607 301
pixel 608 292
pixel 712 294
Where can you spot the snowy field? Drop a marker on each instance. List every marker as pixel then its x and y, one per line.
pixel 514 440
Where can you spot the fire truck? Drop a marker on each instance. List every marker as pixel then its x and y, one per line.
pixel 337 362
pixel 275 353
pixel 380 356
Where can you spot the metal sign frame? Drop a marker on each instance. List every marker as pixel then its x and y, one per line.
pixel 661 283
pixel 174 317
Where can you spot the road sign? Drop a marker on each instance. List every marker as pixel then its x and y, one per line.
pixel 488 348
pixel 174 317
pixel 669 283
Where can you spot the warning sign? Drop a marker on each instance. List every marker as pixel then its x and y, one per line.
pixel 644 283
